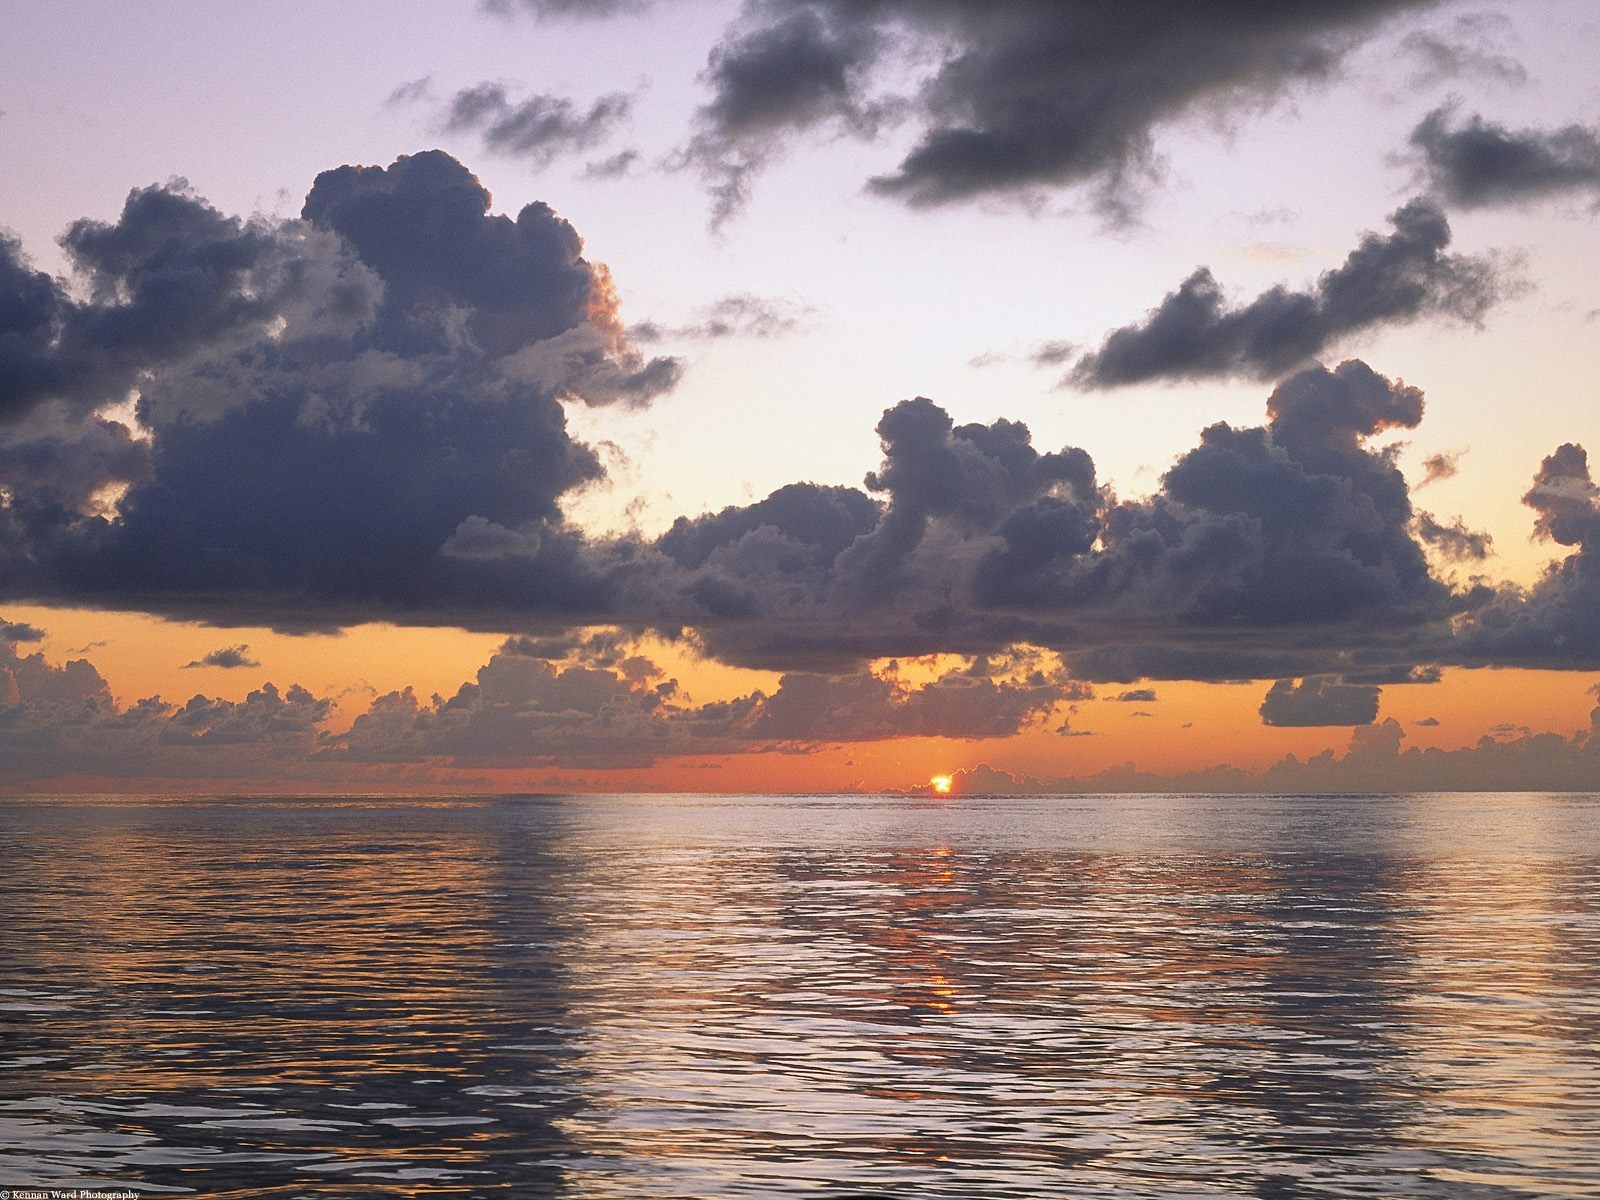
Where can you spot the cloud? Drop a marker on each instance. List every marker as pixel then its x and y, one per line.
pixel 1137 696
pixel 1374 761
pixel 735 316
pixel 17 632
pixel 170 279
pixel 228 658
pixel 406 457
pixel 1454 542
pixel 348 457
pixel 1266 552
pixel 612 167
pixel 1441 466
pixel 1007 98
pixel 1476 163
pixel 803 71
pixel 1195 334
pixel 538 129
pixel 1319 701
pixel 1469 47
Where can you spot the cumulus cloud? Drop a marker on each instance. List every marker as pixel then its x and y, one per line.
pixel 1194 333
pixel 17 632
pixel 1137 696
pixel 171 278
pixel 804 70
pixel 538 128
pixel 1319 701
pixel 228 658
pixel 358 425
pixel 1476 163
pixel 1008 98
pixel 1556 623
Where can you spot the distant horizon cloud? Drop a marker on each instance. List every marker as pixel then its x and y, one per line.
pixel 1512 760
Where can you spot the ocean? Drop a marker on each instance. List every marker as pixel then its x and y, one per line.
pixel 835 996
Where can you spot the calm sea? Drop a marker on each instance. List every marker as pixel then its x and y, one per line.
pixel 698 996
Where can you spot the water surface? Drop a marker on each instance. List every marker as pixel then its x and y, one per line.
pixel 1162 996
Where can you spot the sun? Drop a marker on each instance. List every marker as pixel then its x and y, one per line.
pixel 941 784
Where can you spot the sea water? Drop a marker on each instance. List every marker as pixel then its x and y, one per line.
pixel 737 996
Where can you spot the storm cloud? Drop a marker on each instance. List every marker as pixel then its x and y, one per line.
pixel 1194 333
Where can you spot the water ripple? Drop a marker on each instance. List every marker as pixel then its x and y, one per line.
pixel 738 997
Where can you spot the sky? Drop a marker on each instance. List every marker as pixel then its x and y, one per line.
pixel 799 395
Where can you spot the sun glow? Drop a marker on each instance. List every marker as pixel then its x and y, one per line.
pixel 941 784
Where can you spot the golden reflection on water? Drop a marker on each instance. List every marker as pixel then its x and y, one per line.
pixel 637 997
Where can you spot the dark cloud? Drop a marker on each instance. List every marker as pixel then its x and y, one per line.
pixel 538 129
pixel 1137 696
pixel 805 70
pixel 17 632
pixel 1266 552
pixel 228 658
pixel 1319 701
pixel 1195 334
pixel 1012 96
pixel 1556 623
pixel 405 456
pixel 1477 164
pixel 171 278
pixel 1454 542
pixel 1428 722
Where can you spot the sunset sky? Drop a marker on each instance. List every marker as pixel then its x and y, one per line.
pixel 799 395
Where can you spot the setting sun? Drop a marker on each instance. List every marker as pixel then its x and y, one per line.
pixel 941 784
